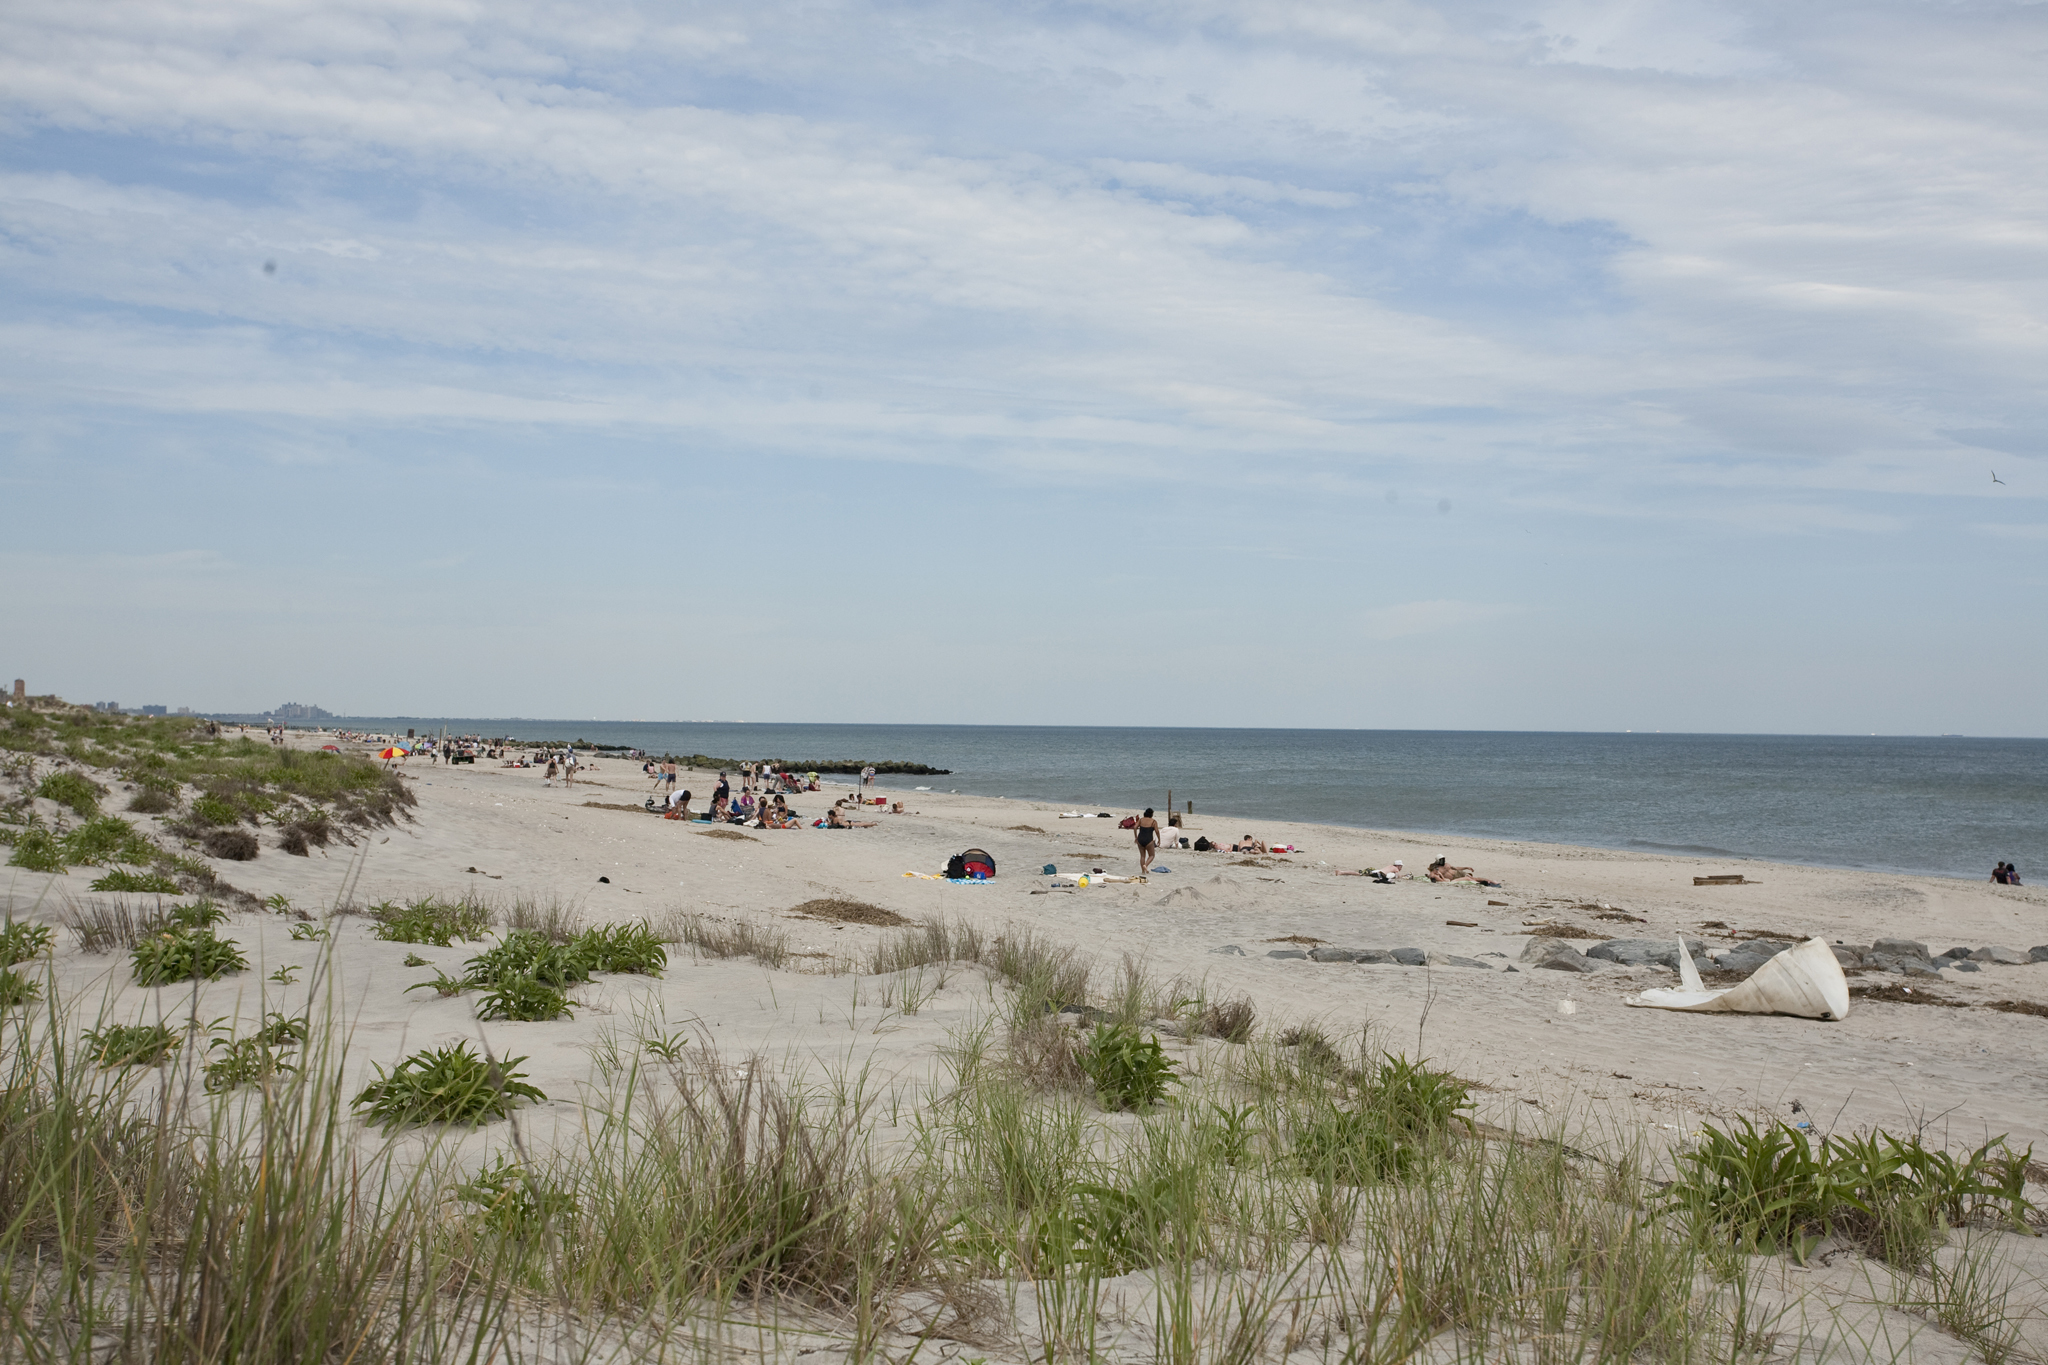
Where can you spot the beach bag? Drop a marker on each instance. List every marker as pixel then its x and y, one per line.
pixel 1128 822
pixel 1202 845
pixel 976 863
pixel 956 867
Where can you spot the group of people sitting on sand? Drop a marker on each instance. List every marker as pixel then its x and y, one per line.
pixel 2005 874
pixel 765 812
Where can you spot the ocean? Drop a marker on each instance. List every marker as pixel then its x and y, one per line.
pixel 1944 806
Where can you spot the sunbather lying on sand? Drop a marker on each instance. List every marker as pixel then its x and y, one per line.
pixel 834 820
pixel 1248 845
pixel 1442 871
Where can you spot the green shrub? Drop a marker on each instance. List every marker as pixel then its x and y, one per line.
pixel 526 953
pixel 622 948
pixel 121 879
pixel 513 1201
pixel 415 960
pixel 38 850
pixel 16 989
pixel 200 914
pixel 431 921
pixel 211 810
pixel 307 933
pixel 131 1044
pixel 185 955
pixel 519 996
pixel 19 942
pixel 243 1061
pixel 109 839
pixel 1128 1071
pixel 1400 1113
pixel 1774 1187
pixel 444 1085
pixel 74 791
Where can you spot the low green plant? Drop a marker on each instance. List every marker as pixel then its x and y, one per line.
pixel 185 955
pixel 200 914
pixel 109 839
pixel 442 985
pixel 307 933
pixel 242 1061
pixel 211 810
pixel 436 922
pixel 1127 1069
pixel 278 903
pixel 526 953
pixel 519 996
pixel 449 1084
pixel 415 960
pixel 74 791
pixel 281 1030
pixel 38 850
pixel 667 1046
pixel 121 879
pixel 17 989
pixel 154 798
pixel 21 941
pixel 621 948
pixel 131 1044
pixel 286 976
pixel 512 1200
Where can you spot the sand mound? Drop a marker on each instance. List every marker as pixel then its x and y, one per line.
pixel 727 834
pixel 1180 895
pixel 848 912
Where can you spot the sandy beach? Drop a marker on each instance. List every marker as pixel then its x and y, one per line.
pixel 1543 1039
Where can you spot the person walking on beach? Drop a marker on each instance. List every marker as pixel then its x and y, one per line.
pixel 1146 832
pixel 867 781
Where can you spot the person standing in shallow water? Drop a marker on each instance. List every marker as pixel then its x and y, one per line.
pixel 1146 832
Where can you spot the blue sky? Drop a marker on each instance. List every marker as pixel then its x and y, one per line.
pixel 1566 365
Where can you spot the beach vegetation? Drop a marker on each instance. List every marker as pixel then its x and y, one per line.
pixel 525 953
pixel 442 985
pixel 121 879
pixel 450 1084
pixel 307 933
pixel 182 954
pixel 154 797
pixel 230 845
pixel 519 995
pixel 243 1061
pixel 1127 1069
pixel 551 917
pixel 113 1045
pixel 431 920
pixel 733 938
pixel 37 850
pixel 21 941
pixel 74 791
pixel 1231 1020
pixel 17 988
pixel 512 1199
pixel 626 948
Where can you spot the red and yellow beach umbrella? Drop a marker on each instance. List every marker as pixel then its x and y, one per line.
pixel 393 752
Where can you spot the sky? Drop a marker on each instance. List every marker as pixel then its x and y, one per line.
pixel 1558 365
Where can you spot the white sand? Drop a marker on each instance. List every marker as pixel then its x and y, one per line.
pixel 1970 1073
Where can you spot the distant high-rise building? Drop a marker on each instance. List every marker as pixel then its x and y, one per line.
pixel 152 710
pixel 112 706
pixel 292 710
pixel 182 711
pixel 20 690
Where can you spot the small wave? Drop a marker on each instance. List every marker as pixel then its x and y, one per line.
pixel 1707 849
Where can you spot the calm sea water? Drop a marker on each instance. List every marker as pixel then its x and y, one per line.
pixel 1947 806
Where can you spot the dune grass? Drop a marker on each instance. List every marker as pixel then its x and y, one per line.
pixel 1315 1195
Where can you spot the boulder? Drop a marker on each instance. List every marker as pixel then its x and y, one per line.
pixel 1849 955
pixel 1453 960
pixel 1900 947
pixel 1332 955
pixel 1911 967
pixel 1958 952
pixel 1411 957
pixel 1229 950
pixel 1372 955
pixel 1965 965
pixel 1289 954
pixel 2039 954
pixel 1570 960
pixel 1645 952
pixel 1747 957
pixel 2004 957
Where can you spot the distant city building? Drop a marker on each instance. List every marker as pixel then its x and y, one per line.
pixel 20 690
pixel 292 710
pixel 112 706
pixel 182 711
pixel 152 710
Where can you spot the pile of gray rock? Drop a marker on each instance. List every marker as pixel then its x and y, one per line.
pixel 1398 957
pixel 1899 955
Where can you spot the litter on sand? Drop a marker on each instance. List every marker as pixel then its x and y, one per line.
pixel 1805 981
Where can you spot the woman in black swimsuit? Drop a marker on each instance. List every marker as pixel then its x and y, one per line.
pixel 1147 834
